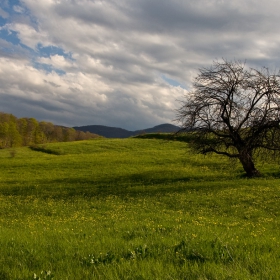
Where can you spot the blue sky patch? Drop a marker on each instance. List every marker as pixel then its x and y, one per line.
pixel 9 36
pixel 49 51
pixel 172 82
pixel 8 6
pixel 3 21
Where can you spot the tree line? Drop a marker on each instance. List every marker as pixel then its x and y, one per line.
pixel 16 132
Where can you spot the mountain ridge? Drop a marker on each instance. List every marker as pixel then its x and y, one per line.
pixel 117 132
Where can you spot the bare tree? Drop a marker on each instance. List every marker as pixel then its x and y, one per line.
pixel 233 111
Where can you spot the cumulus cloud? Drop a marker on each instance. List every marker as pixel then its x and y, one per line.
pixel 123 63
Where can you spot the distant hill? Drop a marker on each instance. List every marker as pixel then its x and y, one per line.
pixel 116 132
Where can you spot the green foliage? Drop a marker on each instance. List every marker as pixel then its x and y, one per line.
pixel 28 131
pixel 135 209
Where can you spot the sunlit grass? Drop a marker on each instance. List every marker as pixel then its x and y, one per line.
pixel 135 209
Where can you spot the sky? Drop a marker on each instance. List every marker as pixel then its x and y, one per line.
pixel 123 63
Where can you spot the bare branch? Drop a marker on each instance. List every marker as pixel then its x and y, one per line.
pixel 233 107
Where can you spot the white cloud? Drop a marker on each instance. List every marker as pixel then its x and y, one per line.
pixel 58 62
pixel 30 36
pixel 18 9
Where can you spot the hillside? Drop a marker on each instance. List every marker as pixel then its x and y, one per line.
pixel 116 132
pixel 115 209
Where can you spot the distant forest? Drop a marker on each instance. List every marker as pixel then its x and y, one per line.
pixel 16 132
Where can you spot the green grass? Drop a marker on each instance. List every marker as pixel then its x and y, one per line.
pixel 135 209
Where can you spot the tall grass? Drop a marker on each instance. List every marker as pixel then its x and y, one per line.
pixel 135 209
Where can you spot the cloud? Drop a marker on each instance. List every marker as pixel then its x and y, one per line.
pixel 57 62
pixel 29 36
pixel 124 63
pixel 12 51
pixel 18 9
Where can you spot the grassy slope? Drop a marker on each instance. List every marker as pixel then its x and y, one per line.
pixel 135 209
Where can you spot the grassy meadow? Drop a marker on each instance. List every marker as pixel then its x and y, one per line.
pixel 135 209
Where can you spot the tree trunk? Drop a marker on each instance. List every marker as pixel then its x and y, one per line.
pixel 245 158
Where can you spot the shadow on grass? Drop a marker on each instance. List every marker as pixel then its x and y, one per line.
pixel 182 137
pixel 140 184
pixel 46 150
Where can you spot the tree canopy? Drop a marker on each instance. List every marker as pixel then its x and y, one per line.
pixel 234 111
pixel 28 131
